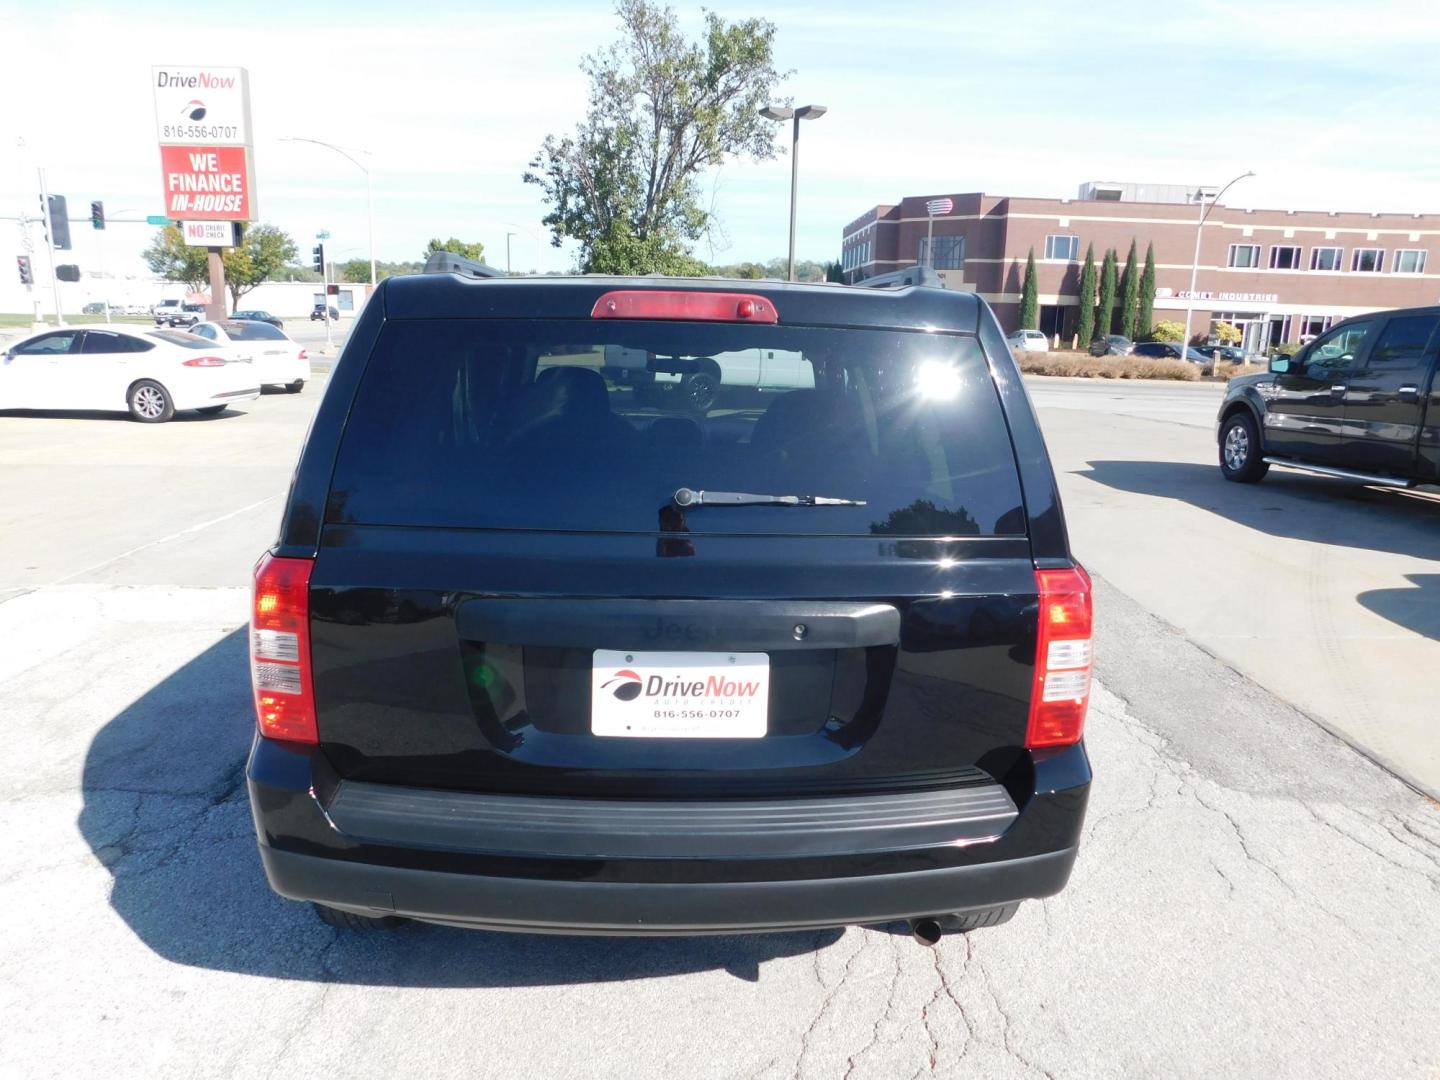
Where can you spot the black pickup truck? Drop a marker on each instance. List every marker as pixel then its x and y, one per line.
pixel 1359 402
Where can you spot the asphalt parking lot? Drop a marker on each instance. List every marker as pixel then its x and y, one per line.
pixel 1253 896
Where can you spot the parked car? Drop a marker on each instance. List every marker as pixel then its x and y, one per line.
pixel 697 381
pixel 162 311
pixel 528 655
pixel 1171 350
pixel 150 373
pixel 260 316
pixel 277 359
pixel 318 314
pixel 187 316
pixel 1227 353
pixel 1028 341
pixel 1111 345
pixel 94 308
pixel 1355 403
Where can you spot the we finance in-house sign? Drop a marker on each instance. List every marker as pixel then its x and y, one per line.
pixel 202 118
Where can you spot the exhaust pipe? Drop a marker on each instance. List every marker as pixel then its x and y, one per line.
pixel 926 931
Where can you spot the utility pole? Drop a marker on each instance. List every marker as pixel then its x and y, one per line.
pixel 49 246
pixel 508 235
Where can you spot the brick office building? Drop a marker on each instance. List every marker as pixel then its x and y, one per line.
pixel 1279 275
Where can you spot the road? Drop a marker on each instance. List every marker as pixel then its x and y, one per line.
pixel 1322 591
pixel 1253 897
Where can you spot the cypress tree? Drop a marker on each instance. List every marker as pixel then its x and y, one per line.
pixel 1105 316
pixel 1130 294
pixel 1147 295
pixel 1030 296
pixel 1085 329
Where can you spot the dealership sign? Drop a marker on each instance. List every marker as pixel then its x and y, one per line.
pixel 202 106
pixel 208 233
pixel 202 116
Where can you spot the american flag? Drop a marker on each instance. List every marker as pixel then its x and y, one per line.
pixel 936 207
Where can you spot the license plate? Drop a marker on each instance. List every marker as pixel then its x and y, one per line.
pixel 675 695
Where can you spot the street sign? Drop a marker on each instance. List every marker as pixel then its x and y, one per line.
pixel 210 183
pixel 157 219
pixel 209 233
pixel 202 106
pixel 323 234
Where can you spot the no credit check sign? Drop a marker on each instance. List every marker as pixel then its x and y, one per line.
pixel 208 183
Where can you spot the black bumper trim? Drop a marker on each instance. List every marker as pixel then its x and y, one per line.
pixel 670 829
pixel 587 907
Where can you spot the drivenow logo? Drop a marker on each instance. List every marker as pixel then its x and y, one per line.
pixel 194 109
pixel 626 685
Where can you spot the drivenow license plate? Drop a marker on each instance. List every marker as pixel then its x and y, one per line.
pixel 672 695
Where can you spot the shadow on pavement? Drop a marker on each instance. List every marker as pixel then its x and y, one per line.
pixel 1417 608
pixel 1290 504
pixel 185 416
pixel 165 810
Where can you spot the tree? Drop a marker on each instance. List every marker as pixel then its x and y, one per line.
pixel 833 272
pixel 1086 328
pixel 1030 296
pixel 1146 315
pixel 626 184
pixel 1167 331
pixel 465 250
pixel 1105 315
pixel 1130 294
pixel 264 252
pixel 1227 333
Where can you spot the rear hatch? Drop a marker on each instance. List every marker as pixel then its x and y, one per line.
pixel 508 596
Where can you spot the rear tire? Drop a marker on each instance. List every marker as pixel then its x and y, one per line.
pixel 1241 455
pixel 348 920
pixel 150 402
pixel 211 410
pixel 699 391
pixel 295 387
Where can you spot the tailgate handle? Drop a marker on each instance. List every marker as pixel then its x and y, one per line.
pixel 680 625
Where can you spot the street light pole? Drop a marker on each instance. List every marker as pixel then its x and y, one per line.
pixel 785 112
pixel 369 191
pixel 1205 208
pixel 508 235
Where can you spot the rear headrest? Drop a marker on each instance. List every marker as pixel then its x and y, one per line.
pixel 805 417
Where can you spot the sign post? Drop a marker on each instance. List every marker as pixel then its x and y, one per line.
pixel 202 119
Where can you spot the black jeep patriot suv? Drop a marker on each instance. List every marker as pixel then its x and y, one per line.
pixel 532 653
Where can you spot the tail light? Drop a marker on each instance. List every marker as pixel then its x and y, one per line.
pixel 280 650
pixel 684 304
pixel 304 355
pixel 205 361
pixel 1062 658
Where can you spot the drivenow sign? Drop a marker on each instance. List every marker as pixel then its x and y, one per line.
pixel 202 116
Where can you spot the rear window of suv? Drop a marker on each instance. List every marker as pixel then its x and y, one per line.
pixel 593 425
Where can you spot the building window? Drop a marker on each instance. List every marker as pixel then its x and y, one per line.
pixel 1244 256
pixel 1326 258
pixel 949 253
pixel 1368 260
pixel 1409 261
pixel 1284 258
pixel 1312 326
pixel 1062 247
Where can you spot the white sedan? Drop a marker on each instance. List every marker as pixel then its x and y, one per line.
pixel 1028 341
pixel 149 373
pixel 278 360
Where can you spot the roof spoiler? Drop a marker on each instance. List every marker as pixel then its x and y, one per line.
pixel 911 275
pixel 447 262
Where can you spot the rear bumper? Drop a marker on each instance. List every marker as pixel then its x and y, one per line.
pixel 574 866
pixel 541 906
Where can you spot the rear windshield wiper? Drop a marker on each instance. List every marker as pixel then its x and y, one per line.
pixel 687 498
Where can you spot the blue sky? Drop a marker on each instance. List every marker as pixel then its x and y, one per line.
pixel 1332 105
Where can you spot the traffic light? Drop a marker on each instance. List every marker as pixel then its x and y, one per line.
pixel 26 276
pixel 320 259
pixel 97 214
pixel 59 223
